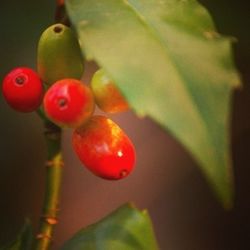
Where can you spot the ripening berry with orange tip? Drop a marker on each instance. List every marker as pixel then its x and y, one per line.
pixel 69 103
pixel 104 148
pixel 107 96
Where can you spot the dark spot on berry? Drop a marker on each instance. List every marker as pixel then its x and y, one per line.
pixel 20 80
pixel 62 102
pixel 58 29
pixel 123 173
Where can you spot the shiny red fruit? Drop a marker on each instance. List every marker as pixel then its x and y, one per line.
pixel 68 103
pixel 23 89
pixel 104 148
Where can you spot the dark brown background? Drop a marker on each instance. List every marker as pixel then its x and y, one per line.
pixel 166 180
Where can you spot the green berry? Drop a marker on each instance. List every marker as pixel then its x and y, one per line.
pixel 59 55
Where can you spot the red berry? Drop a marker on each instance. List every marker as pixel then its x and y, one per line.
pixel 23 89
pixel 107 96
pixel 104 148
pixel 69 103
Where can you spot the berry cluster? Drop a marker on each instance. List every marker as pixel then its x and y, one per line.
pixel 101 145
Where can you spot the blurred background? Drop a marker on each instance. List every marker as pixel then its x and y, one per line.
pixel 166 180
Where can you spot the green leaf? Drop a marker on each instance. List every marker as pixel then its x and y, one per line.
pixel 23 240
pixel 171 65
pixel 127 228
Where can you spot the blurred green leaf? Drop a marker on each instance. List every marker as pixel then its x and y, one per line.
pixel 172 65
pixel 23 240
pixel 127 228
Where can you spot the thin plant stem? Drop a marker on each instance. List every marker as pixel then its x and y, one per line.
pixel 54 166
pixel 61 14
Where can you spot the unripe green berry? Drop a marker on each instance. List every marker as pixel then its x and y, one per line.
pixel 59 55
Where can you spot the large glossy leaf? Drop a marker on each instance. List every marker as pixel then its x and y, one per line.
pixel 172 66
pixel 127 228
pixel 23 240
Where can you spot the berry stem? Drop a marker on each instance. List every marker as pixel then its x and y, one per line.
pixel 54 166
pixel 41 114
pixel 61 14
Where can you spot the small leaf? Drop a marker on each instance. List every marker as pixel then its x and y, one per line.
pixel 171 65
pixel 23 240
pixel 127 228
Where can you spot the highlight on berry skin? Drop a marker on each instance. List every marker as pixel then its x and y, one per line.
pixel 23 89
pixel 69 103
pixel 104 148
pixel 107 96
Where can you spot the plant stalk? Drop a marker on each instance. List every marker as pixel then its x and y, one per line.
pixel 54 166
pixel 61 14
